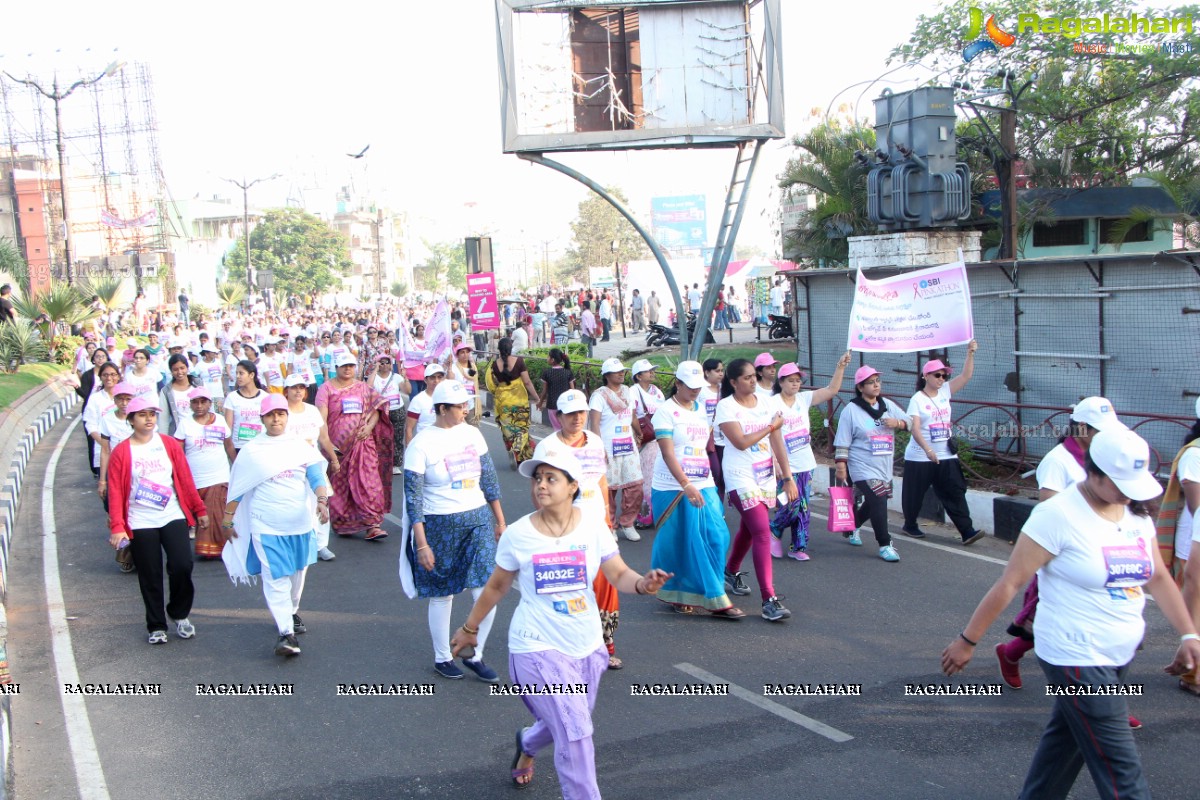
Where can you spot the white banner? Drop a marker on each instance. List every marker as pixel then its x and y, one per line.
pixel 437 333
pixel 922 310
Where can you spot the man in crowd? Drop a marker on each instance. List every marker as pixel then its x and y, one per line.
pixel 636 306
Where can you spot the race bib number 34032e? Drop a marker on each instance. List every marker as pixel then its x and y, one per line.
pixel 560 572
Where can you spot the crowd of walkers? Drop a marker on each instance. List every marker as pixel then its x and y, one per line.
pixel 252 448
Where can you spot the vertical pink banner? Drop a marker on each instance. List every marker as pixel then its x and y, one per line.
pixel 481 294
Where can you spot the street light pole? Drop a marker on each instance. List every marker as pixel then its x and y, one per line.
pixel 57 97
pixel 616 245
pixel 245 187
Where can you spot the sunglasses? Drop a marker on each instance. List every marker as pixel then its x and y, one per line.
pixel 942 375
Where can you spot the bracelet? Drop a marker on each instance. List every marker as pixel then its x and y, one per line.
pixel 1188 636
pixel 227 526
pixel 468 631
pixel 323 499
pixel 637 586
pixel 963 636
pixel 424 547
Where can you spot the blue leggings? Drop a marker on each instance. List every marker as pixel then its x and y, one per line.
pixel 795 515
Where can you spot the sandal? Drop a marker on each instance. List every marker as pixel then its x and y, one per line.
pixel 733 612
pixel 375 534
pixel 524 772
pixel 615 663
pixel 683 609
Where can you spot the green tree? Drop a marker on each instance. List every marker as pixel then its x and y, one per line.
pixel 12 262
pixel 445 268
pixel 595 228
pixel 399 289
pixel 305 253
pixel 825 164
pixel 230 294
pixel 109 289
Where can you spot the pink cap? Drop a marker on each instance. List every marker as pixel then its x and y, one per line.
pixel 272 402
pixel 864 372
pixel 141 404
pixel 89 337
pixel 111 341
pixel 199 392
pixel 789 369
pixel 462 346
pixel 764 360
pixel 934 366
pixel 125 388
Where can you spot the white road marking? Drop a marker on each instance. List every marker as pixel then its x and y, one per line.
pixel 770 706
pixel 89 775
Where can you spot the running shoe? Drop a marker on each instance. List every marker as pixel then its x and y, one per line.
pixel 888 553
pixel 1010 671
pixel 287 646
pixel 325 554
pixel 973 538
pixel 853 538
pixel 799 555
pixel 184 629
pixel 773 610
pixel 915 533
pixel 448 669
pixel 776 546
pixel 734 584
pixel 158 637
pixel 629 533
pixel 298 626
pixel 1134 722
pixel 481 670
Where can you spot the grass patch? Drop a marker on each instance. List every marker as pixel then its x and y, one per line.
pixel 28 376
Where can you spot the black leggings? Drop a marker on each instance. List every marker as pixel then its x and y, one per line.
pixel 148 545
pixel 874 508
pixel 948 484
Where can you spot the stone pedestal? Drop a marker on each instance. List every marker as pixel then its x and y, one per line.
pixel 913 248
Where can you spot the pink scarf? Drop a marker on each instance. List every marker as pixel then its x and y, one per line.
pixel 618 404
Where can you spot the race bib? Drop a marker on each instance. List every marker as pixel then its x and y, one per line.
pixel 622 445
pixel 247 431
pixel 1127 565
pixel 560 572
pixel 939 432
pixel 273 376
pixel 470 387
pixel 352 405
pixel 710 406
pixel 882 445
pixel 214 434
pixel 464 469
pixel 591 462
pixel 152 495
pixel 796 441
pixel 393 401
pixel 764 472
pixel 214 374
pixel 695 468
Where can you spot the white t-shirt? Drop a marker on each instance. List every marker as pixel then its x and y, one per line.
pixel 935 424
pixel 1058 470
pixel 183 405
pixel 558 610
pixel 1189 469
pixel 688 429
pixel 615 429
pixel 450 460
pixel 302 364
pixel 113 429
pixel 763 394
pixel 1090 594
pixel 694 299
pixel 750 470
pixel 305 424
pixel 279 506
pixel 708 400
pixel 271 370
pixel 247 416
pixel 797 437
pixel 421 407
pixel 231 362
pixel 646 402
pixel 594 466
pixel 204 446
pixel 389 389
pixel 98 404
pixel 213 377
pixel 152 500
pixel 144 385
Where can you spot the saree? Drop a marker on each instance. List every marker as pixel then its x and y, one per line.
pixel 362 488
pixel 692 543
pixel 512 415
pixel 210 539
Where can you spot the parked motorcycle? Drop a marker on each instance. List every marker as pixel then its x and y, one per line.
pixel 662 336
pixel 781 327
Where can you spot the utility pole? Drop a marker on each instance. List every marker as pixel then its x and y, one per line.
pixel 245 185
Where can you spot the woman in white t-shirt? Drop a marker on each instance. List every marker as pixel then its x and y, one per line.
pixel 450 544
pixel 99 403
pixel 242 408
pixel 797 438
pixel 692 536
pixel 928 460
pixel 556 653
pixel 462 368
pixel 305 422
pixel 1176 520
pixel 710 395
pixel 1093 548
pixel 395 389
pixel 765 370
pixel 420 409
pixel 175 397
pixel 141 376
pixel 612 418
pixel 212 375
pixel 753 444
pixel 203 434
pixel 646 399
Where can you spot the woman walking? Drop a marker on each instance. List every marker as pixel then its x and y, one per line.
pixel 1177 530
pixel 555 380
pixel 203 435
pixel 797 438
pixel 141 377
pixel 151 503
pixel 305 422
pixel 462 369
pixel 392 387
pixel 692 536
pixel 420 409
pixel 753 444
pixel 710 395
pixel 928 460
pixel 1093 546
pixel 242 408
pixel 863 449
pixel 278 488
pixel 449 485
pixel 611 418
pixel 546 647
pixel 357 419
pixel 175 397
pixel 98 404
pixel 765 370
pixel 646 399
pixel 508 381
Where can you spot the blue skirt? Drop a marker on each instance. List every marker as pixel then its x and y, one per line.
pixel 464 552
pixel 692 543
pixel 286 555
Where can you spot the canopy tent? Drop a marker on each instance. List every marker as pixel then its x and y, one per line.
pixel 756 268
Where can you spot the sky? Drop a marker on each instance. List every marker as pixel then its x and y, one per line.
pixel 250 89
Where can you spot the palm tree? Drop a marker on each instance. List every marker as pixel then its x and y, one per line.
pixel 230 294
pixel 110 290
pixel 12 263
pixel 58 308
pixel 826 165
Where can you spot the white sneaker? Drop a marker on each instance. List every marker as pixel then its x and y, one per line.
pixel 325 554
pixel 158 637
pixel 184 628
pixel 629 533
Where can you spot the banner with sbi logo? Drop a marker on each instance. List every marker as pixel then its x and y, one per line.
pixel 921 310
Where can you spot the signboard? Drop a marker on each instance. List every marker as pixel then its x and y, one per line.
pixel 601 278
pixel 481 297
pixel 679 223
pixel 921 310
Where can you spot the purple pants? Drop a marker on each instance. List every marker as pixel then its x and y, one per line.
pixel 562 719
pixel 754 533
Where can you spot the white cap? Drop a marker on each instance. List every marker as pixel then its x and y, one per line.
pixel 345 358
pixel 1124 457
pixel 1097 412
pixel 434 369
pixel 611 365
pixel 691 374
pixel 208 348
pixel 571 401
pixel 559 459
pixel 295 379
pixel 452 392
pixel 640 366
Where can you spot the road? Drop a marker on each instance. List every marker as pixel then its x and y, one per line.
pixel 857 621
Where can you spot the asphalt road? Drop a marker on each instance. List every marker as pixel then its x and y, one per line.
pixel 857 621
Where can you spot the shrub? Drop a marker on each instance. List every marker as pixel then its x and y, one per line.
pixel 20 343
pixel 65 348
